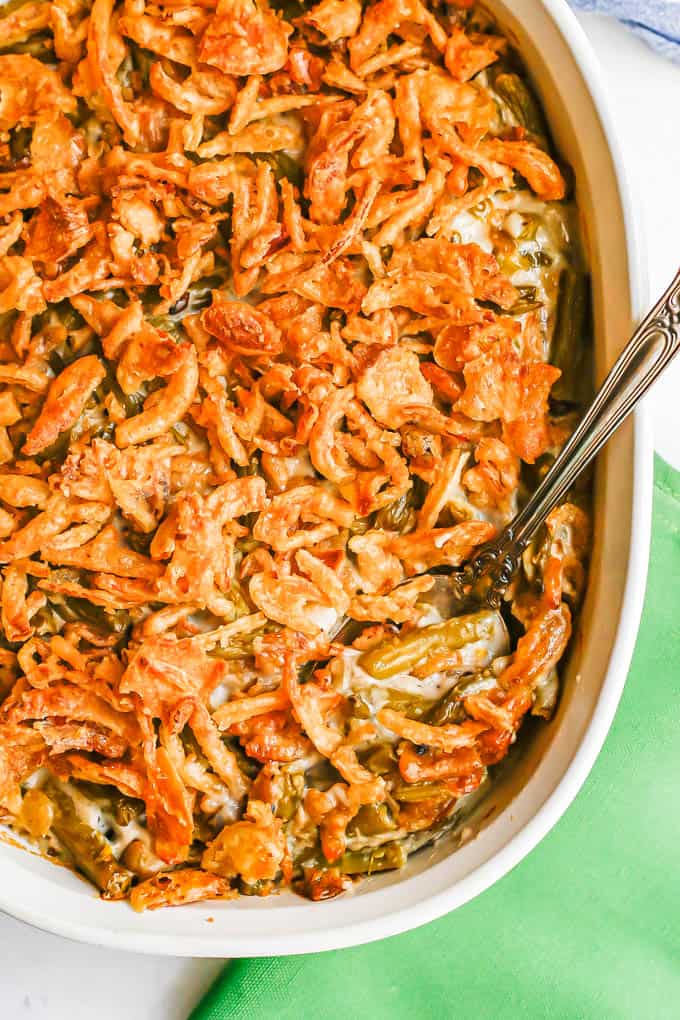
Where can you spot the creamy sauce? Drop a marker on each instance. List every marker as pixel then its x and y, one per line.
pixel 472 230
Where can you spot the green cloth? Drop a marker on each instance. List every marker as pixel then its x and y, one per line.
pixel 587 927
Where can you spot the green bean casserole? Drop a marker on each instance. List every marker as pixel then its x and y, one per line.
pixel 293 318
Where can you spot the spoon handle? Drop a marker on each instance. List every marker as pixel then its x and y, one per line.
pixel 645 356
pixel 651 347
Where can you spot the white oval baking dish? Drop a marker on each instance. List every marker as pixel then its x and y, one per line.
pixel 553 764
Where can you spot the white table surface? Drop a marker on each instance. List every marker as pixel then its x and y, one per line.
pixel 43 977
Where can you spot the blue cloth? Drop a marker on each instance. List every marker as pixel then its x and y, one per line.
pixel 656 21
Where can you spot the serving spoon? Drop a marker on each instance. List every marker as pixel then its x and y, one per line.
pixel 485 578
pixel 483 581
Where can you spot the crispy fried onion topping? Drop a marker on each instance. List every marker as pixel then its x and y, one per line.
pixel 277 300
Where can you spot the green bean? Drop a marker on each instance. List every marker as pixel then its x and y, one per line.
pixel 38 45
pixel 142 60
pixel 180 432
pixel 77 610
pixel 57 450
pixel 449 708
pixel 251 468
pixel 242 645
pixel 535 256
pixel 20 143
pixel 372 820
pixel 283 165
pixel 125 809
pixel 7 320
pixel 290 8
pixel 291 795
pixel 259 888
pixel 69 317
pixel 132 403
pixel 56 362
pixel 526 302
pixel 309 857
pixel 380 858
pixel 412 793
pixel 570 340
pixel 46 621
pixel 402 653
pixel 168 324
pixel 91 853
pixel 321 775
pixel 247 765
pixel 361 709
pixel 124 71
pixel 398 516
pixel 381 759
pixel 522 103
pixel 359 526
pixel 412 705
pixel 10 7
pixel 199 294
pixel 243 608
pixel 239 647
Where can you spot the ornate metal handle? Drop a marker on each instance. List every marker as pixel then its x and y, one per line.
pixel 649 350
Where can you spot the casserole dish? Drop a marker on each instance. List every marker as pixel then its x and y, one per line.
pixel 547 769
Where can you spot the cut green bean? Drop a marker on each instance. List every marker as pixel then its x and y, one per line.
pixel 20 143
pixel 381 759
pixel 570 338
pixel 290 9
pixel 522 103
pixel 125 809
pixel 38 45
pixel 373 820
pixel 449 708
pixel 57 450
pixel 199 295
pixel 169 324
pixel 77 610
pixel 91 853
pixel 404 652
pixel 380 858
pixel 240 646
pixel 132 403
pixel 398 516
pixel 411 793
pixel 142 61
pixel 283 165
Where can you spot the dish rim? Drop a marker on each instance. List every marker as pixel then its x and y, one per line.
pixel 343 935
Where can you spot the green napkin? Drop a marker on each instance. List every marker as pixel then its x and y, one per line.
pixel 585 928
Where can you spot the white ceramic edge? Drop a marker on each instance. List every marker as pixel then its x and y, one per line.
pixel 358 933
